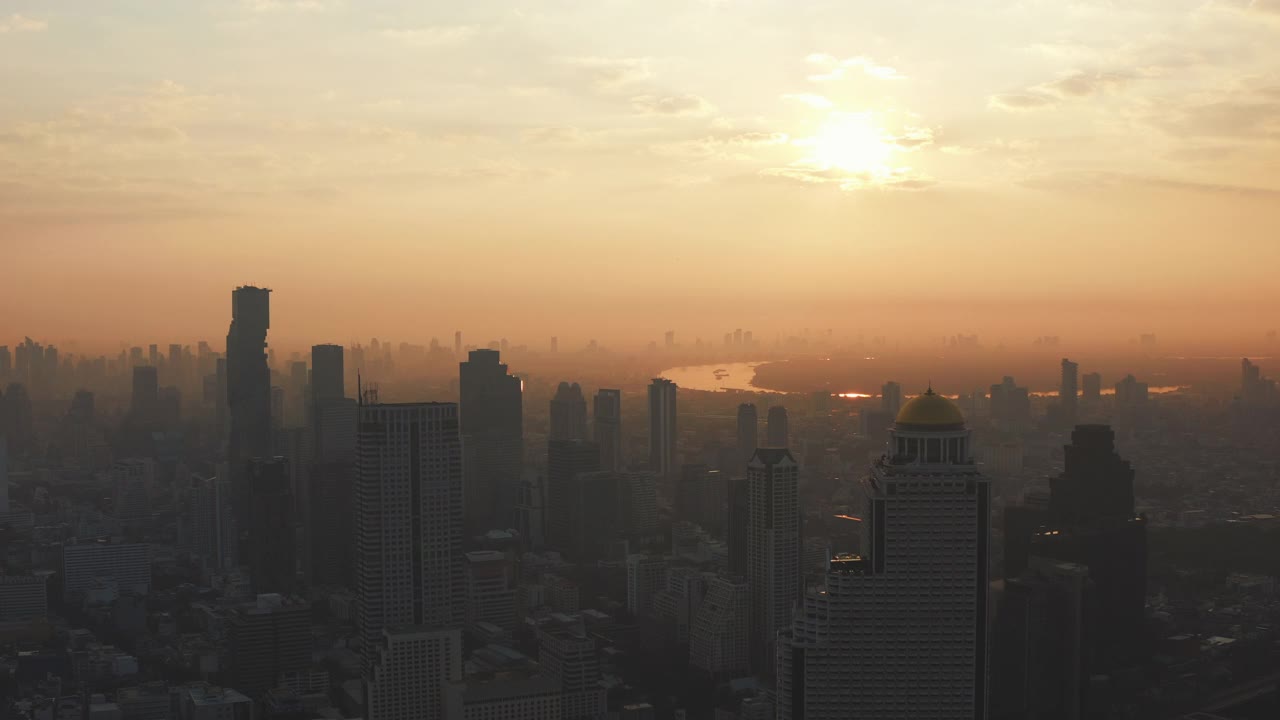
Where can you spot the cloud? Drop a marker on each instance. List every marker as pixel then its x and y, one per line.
pixel 1266 8
pixel 1102 180
pixel 1020 102
pixel 552 135
pixel 893 179
pixel 835 68
pixel 818 102
pixel 671 105
pixel 1083 84
pixel 265 6
pixel 913 138
pixel 16 23
pixel 610 74
pixel 431 36
pixel 722 145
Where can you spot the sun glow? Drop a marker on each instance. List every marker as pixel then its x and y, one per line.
pixel 851 142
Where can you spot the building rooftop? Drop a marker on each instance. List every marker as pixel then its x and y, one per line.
pixel 929 410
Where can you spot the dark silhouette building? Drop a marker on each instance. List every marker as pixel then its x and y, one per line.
pixel 1091 387
pixel 271 552
pixel 267 641
pixel 568 413
pixel 327 373
pixel 248 394
pixel 737 520
pixel 492 428
pixel 662 427
pixel 607 431
pixel 144 402
pixel 1068 390
pixel 779 429
pixel 748 432
pixel 565 512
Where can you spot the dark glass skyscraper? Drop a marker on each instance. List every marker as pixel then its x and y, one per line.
pixel 748 431
pixel 778 429
pixel 248 392
pixel 607 418
pixel 568 413
pixel 327 373
pixel 271 551
pixel 492 429
pixel 662 427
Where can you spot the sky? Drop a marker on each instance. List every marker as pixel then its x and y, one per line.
pixel 612 169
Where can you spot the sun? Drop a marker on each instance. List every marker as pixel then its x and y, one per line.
pixel 851 142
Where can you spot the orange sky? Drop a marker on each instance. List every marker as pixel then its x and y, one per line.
pixel 1093 169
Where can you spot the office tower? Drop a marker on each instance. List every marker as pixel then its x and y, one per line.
pixel 748 431
pixel 209 527
pixel 327 374
pixel 408 522
pixel 491 596
pixel 273 551
pixel 1010 406
pixel 267 639
pixel 901 632
pixel 127 564
pixel 1041 642
pixel 719 635
pixel 891 398
pixel 607 418
pixel 153 354
pixel 566 460
pixel 639 505
pixel 1131 395
pixel 493 427
pixel 1092 522
pixel 646 576
pixel 277 408
pixel 145 400
pixel 662 427
pixel 678 603
pixel 297 401
pixel 131 482
pixel 411 673
pixel 700 497
pixel 23 598
pixel 16 421
pixel 531 520
pixel 568 654
pixel 1091 387
pixel 1069 389
pixel 773 547
pixel 6 363
pixel 777 429
pixel 330 524
pixel 248 393
pixel 568 413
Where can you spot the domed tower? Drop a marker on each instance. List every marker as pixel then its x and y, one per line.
pixel 910 613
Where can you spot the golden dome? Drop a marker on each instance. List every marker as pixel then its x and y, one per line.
pixel 929 410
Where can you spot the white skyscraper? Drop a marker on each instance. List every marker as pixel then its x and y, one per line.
pixel 409 563
pixel 412 675
pixel 902 632
pixel 773 546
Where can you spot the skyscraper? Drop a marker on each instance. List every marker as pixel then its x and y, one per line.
pixel 248 392
pixel 566 460
pixel 737 524
pixel 568 413
pixel 748 431
pixel 662 427
pixel 1069 389
pixel 144 405
pixel 718 634
pixel 1091 387
pixel 901 632
pixel 267 639
pixel 607 418
pixel 778 429
pixel 891 398
pixel 272 545
pixel 327 373
pixel 409 570
pixel 1010 405
pixel 773 547
pixel 492 423
pixel 411 674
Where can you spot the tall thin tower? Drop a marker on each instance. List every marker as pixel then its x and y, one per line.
pixel 773 547
pixel 748 431
pixel 662 427
pixel 607 432
pixel 492 422
pixel 248 392
pixel 1069 391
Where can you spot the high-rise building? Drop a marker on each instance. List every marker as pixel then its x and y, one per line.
pixel 901 632
pixel 773 547
pixel 700 497
pixel 267 639
pixel 412 672
pixel 748 432
pixel 568 413
pixel 646 576
pixel 408 510
pixel 23 598
pixel 568 654
pixel 131 481
pixel 737 524
pixel 327 374
pixel 1068 391
pixel 273 547
pixel 144 405
pixel 1092 522
pixel 493 427
pixel 1091 387
pixel 662 427
pixel 209 526
pixel 607 418
pixel 891 398
pixel 777 428
pixel 718 637
pixel 248 393
pixel 1131 395
pixel 1010 405
pixel 566 514
pixel 329 523
pixel 491 594
pixel 126 564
